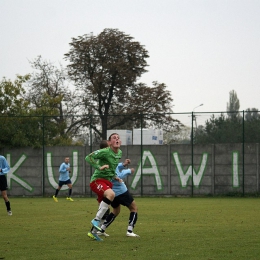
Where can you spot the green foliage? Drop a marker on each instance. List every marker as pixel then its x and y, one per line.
pixel 50 98
pixel 232 128
pixel 16 131
pixel 233 105
pixel 20 132
pixel 169 228
pixel 219 130
pixel 11 100
pixel 228 130
pixel 252 114
pixel 22 124
pixel 105 69
pixel 252 129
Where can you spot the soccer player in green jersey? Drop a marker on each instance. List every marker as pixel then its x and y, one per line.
pixel 105 162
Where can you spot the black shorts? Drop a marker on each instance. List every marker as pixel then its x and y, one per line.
pixel 124 199
pixel 61 183
pixel 3 183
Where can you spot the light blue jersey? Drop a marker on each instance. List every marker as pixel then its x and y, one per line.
pixel 4 165
pixel 64 174
pixel 120 187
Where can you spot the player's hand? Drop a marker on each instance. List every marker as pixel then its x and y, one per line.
pixel 132 170
pixel 106 166
pixel 118 179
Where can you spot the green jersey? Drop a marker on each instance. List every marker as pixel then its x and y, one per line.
pixel 102 157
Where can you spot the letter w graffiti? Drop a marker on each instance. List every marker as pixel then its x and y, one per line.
pixel 184 176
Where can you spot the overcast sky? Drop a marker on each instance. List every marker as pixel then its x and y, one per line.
pixel 201 49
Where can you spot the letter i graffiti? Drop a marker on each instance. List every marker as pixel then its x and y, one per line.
pixel 235 179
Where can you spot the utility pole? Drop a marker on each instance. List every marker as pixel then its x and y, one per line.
pixel 194 116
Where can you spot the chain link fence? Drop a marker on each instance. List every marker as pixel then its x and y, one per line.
pixel 202 153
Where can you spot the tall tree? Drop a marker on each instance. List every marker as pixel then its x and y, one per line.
pixel 105 69
pixel 233 105
pixel 252 114
pixel 17 127
pixel 49 95
pixel 220 130
pixel 144 106
pixel 231 128
pixel 11 95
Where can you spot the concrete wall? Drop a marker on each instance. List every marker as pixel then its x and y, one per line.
pixel 164 170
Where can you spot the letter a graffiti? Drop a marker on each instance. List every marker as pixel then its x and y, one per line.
pixel 153 170
pixel 184 176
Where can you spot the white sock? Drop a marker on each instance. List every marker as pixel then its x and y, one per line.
pixel 103 206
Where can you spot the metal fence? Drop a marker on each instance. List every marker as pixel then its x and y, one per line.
pixel 189 128
pixel 199 153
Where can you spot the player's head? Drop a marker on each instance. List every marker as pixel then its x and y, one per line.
pixel 103 144
pixel 114 141
pixel 109 138
pixel 67 159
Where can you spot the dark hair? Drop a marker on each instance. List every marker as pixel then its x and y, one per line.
pixel 103 144
pixel 109 138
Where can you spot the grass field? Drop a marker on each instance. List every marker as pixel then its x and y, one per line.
pixel 169 228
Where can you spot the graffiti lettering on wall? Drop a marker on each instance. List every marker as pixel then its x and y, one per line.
pixel 235 170
pixel 151 170
pixel 11 176
pixel 75 169
pixel 146 166
pixel 185 176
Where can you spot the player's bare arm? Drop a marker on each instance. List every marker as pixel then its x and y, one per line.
pixel 118 179
pixel 106 166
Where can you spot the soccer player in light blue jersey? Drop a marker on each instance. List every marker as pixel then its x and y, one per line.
pixel 122 197
pixel 64 179
pixel 4 169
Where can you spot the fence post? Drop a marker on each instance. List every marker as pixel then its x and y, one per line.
pixel 243 149
pixel 91 148
pixel 43 157
pixel 141 123
pixel 213 169
pixel 257 167
pixel 192 115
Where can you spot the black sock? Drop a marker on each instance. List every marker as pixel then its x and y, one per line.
pixel 132 221
pixel 56 193
pixel 70 191
pixel 8 205
pixel 110 218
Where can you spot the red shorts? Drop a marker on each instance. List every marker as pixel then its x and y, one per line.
pixel 99 186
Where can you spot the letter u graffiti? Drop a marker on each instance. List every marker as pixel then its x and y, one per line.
pixel 74 176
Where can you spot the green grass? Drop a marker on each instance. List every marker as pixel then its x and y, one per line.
pixel 170 228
